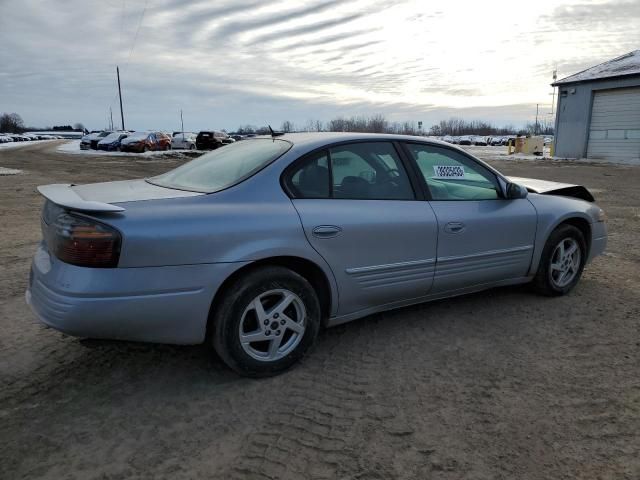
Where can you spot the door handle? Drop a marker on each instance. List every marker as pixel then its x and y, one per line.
pixel 326 231
pixel 454 227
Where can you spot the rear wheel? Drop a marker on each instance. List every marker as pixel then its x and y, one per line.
pixel 562 261
pixel 266 321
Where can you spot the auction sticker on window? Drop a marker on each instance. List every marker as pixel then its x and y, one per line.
pixel 448 171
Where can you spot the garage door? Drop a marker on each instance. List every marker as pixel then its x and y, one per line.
pixel 614 133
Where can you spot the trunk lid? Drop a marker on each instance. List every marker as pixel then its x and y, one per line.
pixel 101 197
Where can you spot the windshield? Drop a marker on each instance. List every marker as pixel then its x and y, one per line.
pixel 112 137
pixel 223 167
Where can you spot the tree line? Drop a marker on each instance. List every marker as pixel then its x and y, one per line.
pixel 379 124
pixel 13 123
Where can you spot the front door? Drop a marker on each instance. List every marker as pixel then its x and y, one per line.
pixel 482 237
pixel 359 211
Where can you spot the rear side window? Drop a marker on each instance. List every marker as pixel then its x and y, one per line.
pixel 311 177
pixel 358 171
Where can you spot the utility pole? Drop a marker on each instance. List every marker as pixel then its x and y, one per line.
pixel 535 129
pixel 120 95
pixel 553 98
pixel 182 123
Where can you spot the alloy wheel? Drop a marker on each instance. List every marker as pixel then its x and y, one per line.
pixel 565 262
pixel 272 325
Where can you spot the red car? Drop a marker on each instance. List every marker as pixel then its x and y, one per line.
pixel 146 141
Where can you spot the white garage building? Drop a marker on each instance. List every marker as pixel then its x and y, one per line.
pixel 598 115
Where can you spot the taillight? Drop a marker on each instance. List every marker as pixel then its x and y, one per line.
pixel 83 242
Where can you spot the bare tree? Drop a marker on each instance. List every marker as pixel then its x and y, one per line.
pixel 313 126
pixel 11 123
pixel 287 126
pixel 78 126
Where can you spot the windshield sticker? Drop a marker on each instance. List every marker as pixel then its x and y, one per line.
pixel 448 171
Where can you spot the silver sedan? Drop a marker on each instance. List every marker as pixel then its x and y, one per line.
pixel 254 247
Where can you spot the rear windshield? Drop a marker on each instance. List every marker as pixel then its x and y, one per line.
pixel 224 166
pixel 138 135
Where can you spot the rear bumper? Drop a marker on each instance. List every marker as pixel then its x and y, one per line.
pixel 155 304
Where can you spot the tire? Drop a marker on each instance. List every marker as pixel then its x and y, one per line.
pixel 547 279
pixel 236 316
pixel 192 147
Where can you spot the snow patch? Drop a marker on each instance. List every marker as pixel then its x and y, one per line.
pixel 11 145
pixel 9 171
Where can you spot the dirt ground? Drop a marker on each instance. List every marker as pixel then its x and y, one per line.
pixel 498 385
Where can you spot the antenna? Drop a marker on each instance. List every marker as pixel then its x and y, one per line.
pixel 274 133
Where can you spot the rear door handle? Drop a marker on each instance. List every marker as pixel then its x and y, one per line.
pixel 454 227
pixel 326 231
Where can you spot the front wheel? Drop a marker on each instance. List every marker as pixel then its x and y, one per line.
pixel 266 322
pixel 563 259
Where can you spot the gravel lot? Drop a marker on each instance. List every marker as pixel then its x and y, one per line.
pixel 498 385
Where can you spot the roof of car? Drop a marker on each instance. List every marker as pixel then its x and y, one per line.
pixel 318 139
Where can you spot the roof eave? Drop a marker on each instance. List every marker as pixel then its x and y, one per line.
pixel 566 81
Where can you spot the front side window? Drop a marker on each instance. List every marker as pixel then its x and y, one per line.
pixel 224 167
pixel 450 175
pixel 359 171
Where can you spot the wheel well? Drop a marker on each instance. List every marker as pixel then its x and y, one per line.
pixel 305 268
pixel 582 225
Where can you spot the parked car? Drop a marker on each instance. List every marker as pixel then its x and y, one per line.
pixel 496 141
pixel 237 138
pixel 212 139
pixel 145 141
pixel 479 140
pixel 112 141
pixel 186 140
pixel 5 138
pixel 465 140
pixel 255 246
pixel 91 140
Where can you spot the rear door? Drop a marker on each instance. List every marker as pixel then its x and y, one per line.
pixel 482 237
pixel 359 211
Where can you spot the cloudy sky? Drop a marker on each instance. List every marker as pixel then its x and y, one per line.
pixel 236 62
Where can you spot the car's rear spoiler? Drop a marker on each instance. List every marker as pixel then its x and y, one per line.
pixel 63 195
pixel 547 187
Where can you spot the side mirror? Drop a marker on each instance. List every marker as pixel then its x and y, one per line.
pixel 515 191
